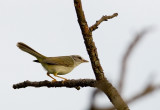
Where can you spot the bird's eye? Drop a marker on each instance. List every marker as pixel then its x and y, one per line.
pixel 80 58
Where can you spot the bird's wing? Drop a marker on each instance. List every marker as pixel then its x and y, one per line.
pixel 62 60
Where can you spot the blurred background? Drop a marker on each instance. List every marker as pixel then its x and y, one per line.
pixel 51 28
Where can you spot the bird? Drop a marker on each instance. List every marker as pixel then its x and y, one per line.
pixel 59 65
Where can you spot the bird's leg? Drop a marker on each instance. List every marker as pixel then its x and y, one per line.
pixel 51 77
pixel 59 77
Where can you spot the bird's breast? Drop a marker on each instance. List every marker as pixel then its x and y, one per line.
pixel 60 70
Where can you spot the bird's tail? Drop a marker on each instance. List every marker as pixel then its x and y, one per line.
pixel 29 50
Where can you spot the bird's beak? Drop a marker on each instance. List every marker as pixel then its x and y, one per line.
pixel 85 60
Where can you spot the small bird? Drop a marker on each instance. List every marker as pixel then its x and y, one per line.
pixel 60 65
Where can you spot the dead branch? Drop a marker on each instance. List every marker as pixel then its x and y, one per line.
pixel 103 18
pixel 103 83
pixel 88 40
pixel 125 58
pixel 69 83
pixel 148 90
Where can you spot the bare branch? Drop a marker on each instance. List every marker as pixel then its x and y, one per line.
pixel 148 90
pixel 90 45
pixel 68 83
pixel 126 56
pixel 94 94
pixel 103 83
pixel 104 18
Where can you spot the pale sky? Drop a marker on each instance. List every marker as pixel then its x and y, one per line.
pixel 51 28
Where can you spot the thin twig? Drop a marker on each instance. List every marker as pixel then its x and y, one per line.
pixel 93 98
pixel 148 90
pixel 126 56
pixel 103 18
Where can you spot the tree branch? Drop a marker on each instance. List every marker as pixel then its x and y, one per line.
pixel 103 18
pixel 68 83
pixel 150 88
pixel 126 56
pixel 93 98
pixel 103 83
pixel 88 40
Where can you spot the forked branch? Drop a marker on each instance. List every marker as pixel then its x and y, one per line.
pixel 103 83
